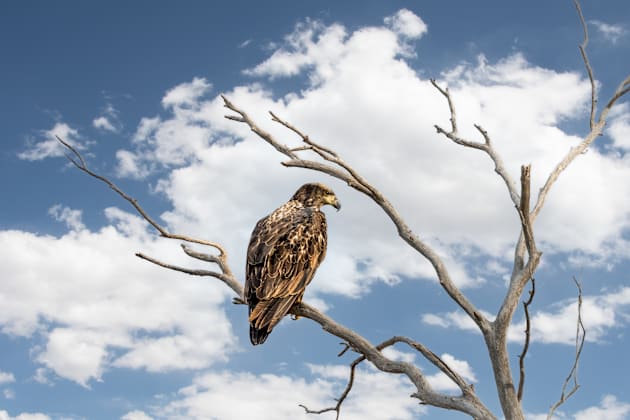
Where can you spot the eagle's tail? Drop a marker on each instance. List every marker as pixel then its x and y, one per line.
pixel 264 315
pixel 258 335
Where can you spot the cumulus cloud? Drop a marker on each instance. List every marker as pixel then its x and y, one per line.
pixel 102 308
pixel 456 319
pixel 46 144
pixel 619 130
pixel 108 120
pixel 71 217
pixel 6 377
pixel 136 415
pixel 600 314
pixel 312 45
pixel 103 123
pixel 407 24
pixel 441 382
pixel 170 143
pixel 4 415
pixel 375 395
pixel 609 409
pixel 186 94
pixel 610 31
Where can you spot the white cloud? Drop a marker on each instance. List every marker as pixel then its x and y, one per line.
pixel 6 377
pixel 24 416
pixel 103 123
pixel 78 355
pixel 49 146
pixel 245 43
pixel 610 409
pixel 406 23
pixel 600 314
pixel 8 393
pixel 129 165
pixel 108 120
pixel 71 217
pixel 136 415
pixel 441 382
pixel 394 354
pixel 611 32
pixel 41 376
pixel 619 129
pixel 106 308
pixel 456 319
pixel 375 395
pixel 186 94
pixel 311 45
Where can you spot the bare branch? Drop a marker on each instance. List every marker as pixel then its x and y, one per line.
pixel 192 272
pixel 580 336
pixel 587 64
pixel 244 118
pixel 467 389
pixel 521 358
pixel 227 279
pixel 526 222
pixel 451 107
pixel 344 394
pixel 486 146
pixel 81 165
pixel 438 362
pixel 467 403
pixel 304 137
pixel 596 125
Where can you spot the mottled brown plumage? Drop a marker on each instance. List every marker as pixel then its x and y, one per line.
pixel 284 251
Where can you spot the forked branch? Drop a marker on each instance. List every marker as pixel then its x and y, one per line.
pixel 572 378
pixel 486 146
pixel 77 160
pixel 466 388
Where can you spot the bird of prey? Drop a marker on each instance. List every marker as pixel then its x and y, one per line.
pixel 284 251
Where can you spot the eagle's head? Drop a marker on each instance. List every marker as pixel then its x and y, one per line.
pixel 316 195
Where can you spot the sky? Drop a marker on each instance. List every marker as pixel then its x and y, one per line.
pixel 89 331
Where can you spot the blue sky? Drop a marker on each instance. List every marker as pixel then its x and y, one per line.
pixel 88 331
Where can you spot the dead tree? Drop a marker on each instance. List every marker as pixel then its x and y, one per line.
pixel 313 156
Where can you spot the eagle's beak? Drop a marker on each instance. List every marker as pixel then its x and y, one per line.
pixel 336 204
pixel 332 200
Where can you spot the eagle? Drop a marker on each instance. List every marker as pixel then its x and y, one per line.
pixel 285 249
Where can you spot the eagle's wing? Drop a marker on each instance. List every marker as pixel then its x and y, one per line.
pixel 285 249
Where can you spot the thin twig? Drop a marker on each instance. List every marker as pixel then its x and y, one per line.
pixel 81 165
pixel 428 354
pixel 521 358
pixel 192 272
pixel 580 336
pixel 342 397
pixel 304 137
pixel 587 64
pixel 486 146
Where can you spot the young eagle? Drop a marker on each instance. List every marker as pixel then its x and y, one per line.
pixel 284 251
